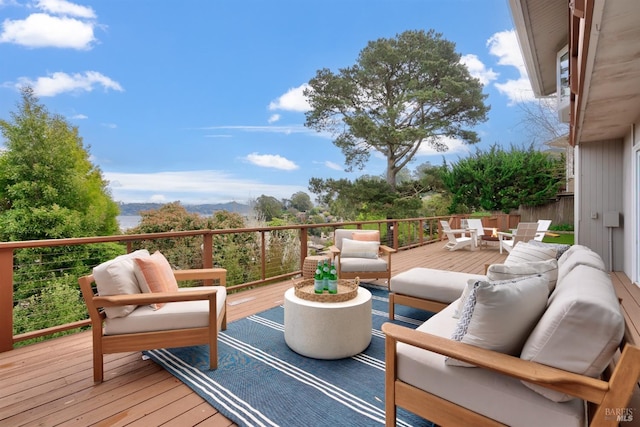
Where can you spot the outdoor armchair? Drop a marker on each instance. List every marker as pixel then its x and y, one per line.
pixel 125 318
pixel 456 242
pixel 526 231
pixel 358 253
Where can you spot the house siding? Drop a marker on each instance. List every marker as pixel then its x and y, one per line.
pixel 601 190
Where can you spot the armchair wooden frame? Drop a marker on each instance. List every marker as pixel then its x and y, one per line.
pixel 602 395
pixel 107 344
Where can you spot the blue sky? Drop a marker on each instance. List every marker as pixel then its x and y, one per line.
pixel 201 101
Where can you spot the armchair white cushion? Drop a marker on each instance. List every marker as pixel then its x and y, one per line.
pixel 172 315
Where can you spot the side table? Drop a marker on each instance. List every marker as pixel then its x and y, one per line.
pixel 327 330
pixel 310 264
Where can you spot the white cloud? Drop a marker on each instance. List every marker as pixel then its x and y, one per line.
pixel 517 90
pixel 201 186
pixel 42 30
pixel 110 125
pixel 287 130
pixel 271 161
pixel 274 118
pixel 60 82
pixel 455 146
pixel 79 117
pixel 158 198
pixel 62 7
pixel 293 100
pixel 334 166
pixel 478 70
pixel 505 46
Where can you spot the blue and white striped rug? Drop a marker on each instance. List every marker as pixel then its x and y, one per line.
pixel 261 382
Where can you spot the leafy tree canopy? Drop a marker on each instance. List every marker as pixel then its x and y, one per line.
pixel 366 197
pixel 301 201
pixel 499 180
pixel 400 94
pixel 48 186
pixel 268 207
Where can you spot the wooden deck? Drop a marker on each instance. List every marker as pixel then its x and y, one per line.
pixel 51 383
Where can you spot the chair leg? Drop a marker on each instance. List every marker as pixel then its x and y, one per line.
pixel 98 366
pixel 392 306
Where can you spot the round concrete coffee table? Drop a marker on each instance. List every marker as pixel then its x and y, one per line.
pixel 327 330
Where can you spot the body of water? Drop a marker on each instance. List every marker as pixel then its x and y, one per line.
pixel 128 221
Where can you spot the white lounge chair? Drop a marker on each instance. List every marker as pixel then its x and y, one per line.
pixel 543 227
pixel 455 243
pixel 526 231
pixel 476 224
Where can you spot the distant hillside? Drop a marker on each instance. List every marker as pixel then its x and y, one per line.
pixel 208 209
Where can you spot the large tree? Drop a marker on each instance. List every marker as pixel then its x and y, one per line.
pixel 401 93
pixel 48 186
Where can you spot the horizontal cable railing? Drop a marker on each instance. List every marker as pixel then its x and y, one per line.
pixel 40 297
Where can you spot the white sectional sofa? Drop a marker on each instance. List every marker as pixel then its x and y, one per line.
pixel 562 324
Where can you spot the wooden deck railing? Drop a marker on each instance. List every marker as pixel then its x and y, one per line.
pixel 400 234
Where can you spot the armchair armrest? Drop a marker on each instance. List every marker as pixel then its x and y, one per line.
pixel 581 386
pixel 387 250
pixel 502 235
pixel 201 274
pixel 153 298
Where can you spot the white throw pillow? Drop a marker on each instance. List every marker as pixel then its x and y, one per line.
pixel 117 277
pixel 499 316
pixel 463 298
pixel 524 252
pixel 547 269
pixel 358 249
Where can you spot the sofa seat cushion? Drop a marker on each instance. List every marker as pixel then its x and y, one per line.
pixel 435 285
pixel 580 329
pixel 496 396
pixel 173 315
pixel 362 264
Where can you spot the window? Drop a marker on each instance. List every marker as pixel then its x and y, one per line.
pixel 564 91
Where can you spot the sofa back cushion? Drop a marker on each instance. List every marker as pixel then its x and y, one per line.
pixel 116 277
pixel 580 329
pixel 548 269
pixel 582 257
pixel 525 252
pixel 571 252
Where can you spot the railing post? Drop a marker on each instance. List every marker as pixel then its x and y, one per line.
pixel 304 237
pixel 263 256
pixel 396 232
pixel 6 300
pixel 207 255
